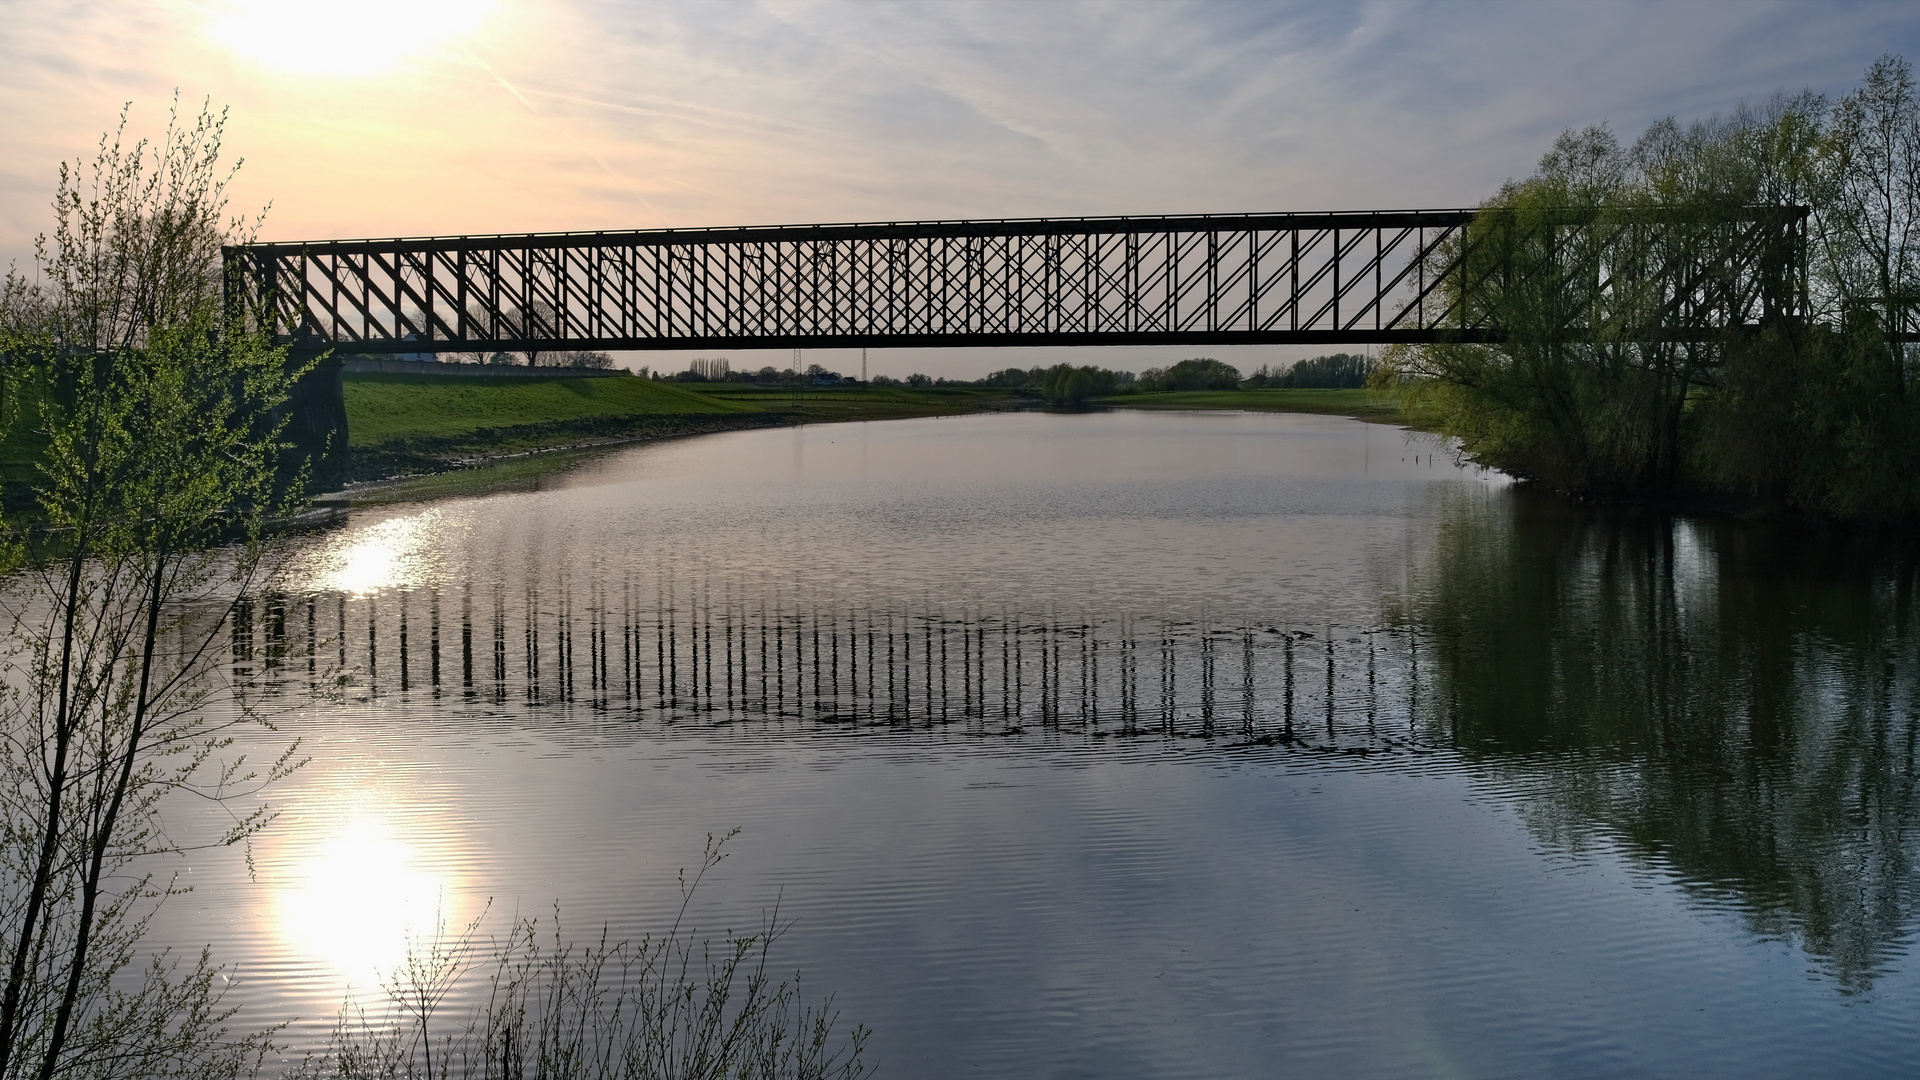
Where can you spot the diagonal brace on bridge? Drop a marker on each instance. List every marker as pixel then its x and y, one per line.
pixel 1307 279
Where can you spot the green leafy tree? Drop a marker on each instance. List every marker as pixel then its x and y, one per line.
pixel 1199 373
pixel 157 405
pixel 1589 265
pixel 1071 387
pixel 1333 372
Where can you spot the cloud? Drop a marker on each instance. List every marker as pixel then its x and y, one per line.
pixel 613 115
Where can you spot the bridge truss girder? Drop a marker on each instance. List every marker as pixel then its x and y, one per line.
pixel 1307 279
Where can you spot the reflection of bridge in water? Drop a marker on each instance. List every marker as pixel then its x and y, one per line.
pixel 1649 727
pixel 699 659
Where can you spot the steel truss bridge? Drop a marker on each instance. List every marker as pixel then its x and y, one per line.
pixel 1303 279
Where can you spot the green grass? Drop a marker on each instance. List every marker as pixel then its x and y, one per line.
pixel 1360 404
pixel 382 408
pixel 402 424
pixel 863 402
pixel 410 425
pixel 385 407
pixel 433 427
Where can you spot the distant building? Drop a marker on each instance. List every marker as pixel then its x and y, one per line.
pixel 416 356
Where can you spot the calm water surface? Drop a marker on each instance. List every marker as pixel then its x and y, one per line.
pixel 1117 745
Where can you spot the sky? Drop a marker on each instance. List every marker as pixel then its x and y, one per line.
pixel 390 118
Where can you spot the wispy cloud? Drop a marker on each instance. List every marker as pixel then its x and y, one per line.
pixel 609 115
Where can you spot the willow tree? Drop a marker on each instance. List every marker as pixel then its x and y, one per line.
pixel 1872 233
pixel 1720 307
pixel 154 405
pixel 1615 278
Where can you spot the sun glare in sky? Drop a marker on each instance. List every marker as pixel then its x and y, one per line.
pixel 346 38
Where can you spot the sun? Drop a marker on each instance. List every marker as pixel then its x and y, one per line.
pixel 343 38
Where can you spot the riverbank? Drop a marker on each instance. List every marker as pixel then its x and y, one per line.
pixel 409 438
pixel 407 424
pixel 828 404
pixel 1369 405
pixel 412 425
pixel 418 437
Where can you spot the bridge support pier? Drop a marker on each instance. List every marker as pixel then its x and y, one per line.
pixel 317 417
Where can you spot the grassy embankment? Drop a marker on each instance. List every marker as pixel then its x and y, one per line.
pixel 1365 405
pixel 866 402
pixel 401 424
pixel 453 436
pixel 466 435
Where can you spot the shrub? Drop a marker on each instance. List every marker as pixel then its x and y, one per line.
pixel 675 1006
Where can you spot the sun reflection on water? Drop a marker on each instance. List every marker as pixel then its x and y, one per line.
pixel 387 554
pixel 366 892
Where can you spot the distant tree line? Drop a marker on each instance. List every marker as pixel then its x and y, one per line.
pixel 556 358
pixel 1815 414
pixel 915 380
pixel 719 369
pixel 1339 371
pixel 1067 385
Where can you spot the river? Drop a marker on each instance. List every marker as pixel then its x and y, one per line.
pixel 1116 744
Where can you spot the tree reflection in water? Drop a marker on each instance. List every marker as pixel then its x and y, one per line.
pixel 1734 703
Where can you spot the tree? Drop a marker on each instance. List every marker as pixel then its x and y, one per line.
pixel 475 325
pixel 1199 373
pixel 1572 396
pixel 1070 387
pixel 1015 378
pixel 1335 371
pixel 1590 265
pixel 703 369
pixel 534 320
pixel 157 405
pixel 1874 155
pixel 1581 394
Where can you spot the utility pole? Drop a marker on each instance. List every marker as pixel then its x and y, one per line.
pixel 863 365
